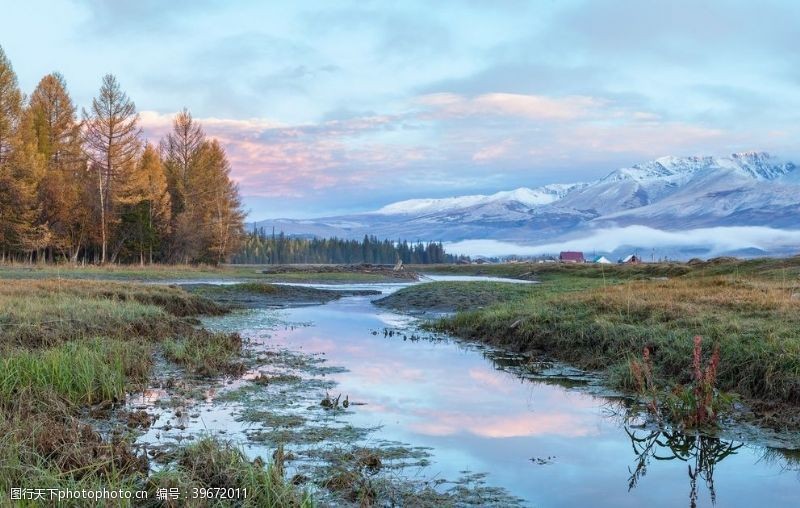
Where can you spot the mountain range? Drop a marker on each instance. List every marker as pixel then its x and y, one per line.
pixel 746 194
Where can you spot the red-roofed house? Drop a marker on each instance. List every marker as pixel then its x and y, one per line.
pixel 571 257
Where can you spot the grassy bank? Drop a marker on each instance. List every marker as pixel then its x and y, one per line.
pixel 72 348
pixel 751 309
pixel 314 274
pixel 210 463
pixel 454 296
pixel 127 272
pixel 762 268
pixel 261 294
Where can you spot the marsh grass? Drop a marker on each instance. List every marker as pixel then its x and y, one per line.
pixel 206 354
pixel 42 445
pixel 755 321
pixel 153 272
pixel 333 274
pixel 215 463
pixel 105 323
pixel 85 372
pixel 455 295
pixel 69 346
pixel 45 313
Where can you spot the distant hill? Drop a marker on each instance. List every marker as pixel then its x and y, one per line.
pixel 751 190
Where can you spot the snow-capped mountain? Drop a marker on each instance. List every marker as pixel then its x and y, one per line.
pixel 523 195
pixel 668 194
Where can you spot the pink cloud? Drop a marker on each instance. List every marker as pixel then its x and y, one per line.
pixel 496 380
pixel 439 132
pixel 271 159
pixel 493 151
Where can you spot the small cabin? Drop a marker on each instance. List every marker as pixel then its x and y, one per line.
pixel 571 257
pixel 601 260
pixel 633 259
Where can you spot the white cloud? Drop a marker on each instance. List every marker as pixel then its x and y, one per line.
pixel 717 240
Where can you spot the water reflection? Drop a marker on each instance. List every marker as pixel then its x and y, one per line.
pixel 484 410
pixel 701 453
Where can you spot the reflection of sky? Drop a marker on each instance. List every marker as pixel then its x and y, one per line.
pixel 478 418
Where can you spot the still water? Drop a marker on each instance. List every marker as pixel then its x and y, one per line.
pixel 544 442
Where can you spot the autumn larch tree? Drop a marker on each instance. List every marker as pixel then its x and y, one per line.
pixel 181 149
pixel 217 203
pixel 111 141
pixel 10 104
pixel 63 189
pixel 20 171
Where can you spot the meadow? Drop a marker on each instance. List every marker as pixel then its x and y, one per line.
pixel 602 318
pixel 72 350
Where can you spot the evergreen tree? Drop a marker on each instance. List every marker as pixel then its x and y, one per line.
pixel 145 212
pixel 258 248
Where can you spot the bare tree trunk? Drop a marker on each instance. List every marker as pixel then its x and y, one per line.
pixel 102 214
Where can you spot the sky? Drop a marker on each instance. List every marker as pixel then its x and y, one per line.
pixel 328 108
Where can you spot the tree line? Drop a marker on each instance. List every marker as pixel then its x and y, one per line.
pixel 258 247
pixel 92 189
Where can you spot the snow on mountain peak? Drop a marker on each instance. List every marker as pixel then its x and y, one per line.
pixel 756 165
pixel 626 188
pixel 761 165
pixel 529 197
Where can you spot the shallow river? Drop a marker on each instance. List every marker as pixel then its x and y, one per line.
pixel 545 442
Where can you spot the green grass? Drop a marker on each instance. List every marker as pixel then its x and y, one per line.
pixel 756 321
pixel 85 372
pixel 455 296
pixel 311 277
pixel 220 464
pixel 206 354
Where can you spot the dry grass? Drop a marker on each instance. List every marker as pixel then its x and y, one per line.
pixel 46 313
pixel 756 322
pixel 69 345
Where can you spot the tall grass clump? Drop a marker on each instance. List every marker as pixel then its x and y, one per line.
pixel 695 404
pixel 213 463
pixel 85 372
pixel 206 353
